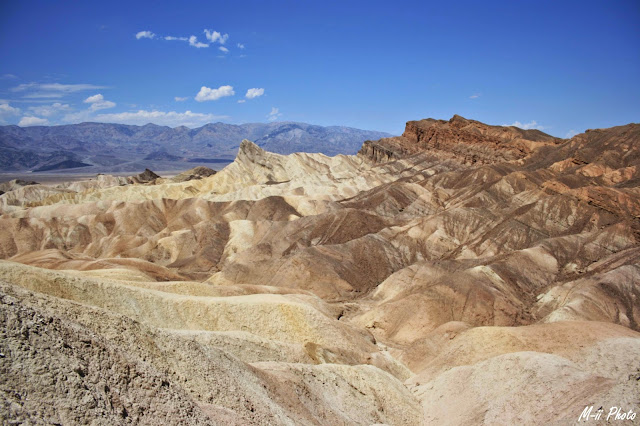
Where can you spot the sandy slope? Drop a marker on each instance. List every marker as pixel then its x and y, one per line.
pixel 411 284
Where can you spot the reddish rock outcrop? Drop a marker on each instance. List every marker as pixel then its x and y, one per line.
pixel 470 141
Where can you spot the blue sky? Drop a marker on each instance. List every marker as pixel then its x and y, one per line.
pixel 560 66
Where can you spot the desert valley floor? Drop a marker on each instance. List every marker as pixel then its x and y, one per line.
pixel 458 274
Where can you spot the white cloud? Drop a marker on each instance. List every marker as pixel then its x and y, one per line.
pixel 241 101
pixel 164 118
pixel 27 121
pixel 274 114
pixel 180 98
pixel 145 34
pixel 7 110
pixel 98 102
pixel 254 93
pixel 94 98
pixel 207 94
pixel 102 105
pixel 223 49
pixel 240 46
pixel 527 126
pixel 214 36
pixel 475 96
pixel 50 110
pixel 193 41
pixel 571 133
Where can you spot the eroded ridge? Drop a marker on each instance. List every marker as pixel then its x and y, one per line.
pixel 453 274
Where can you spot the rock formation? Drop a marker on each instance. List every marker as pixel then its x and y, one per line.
pixel 468 140
pixel 147 176
pixel 199 172
pixel 461 273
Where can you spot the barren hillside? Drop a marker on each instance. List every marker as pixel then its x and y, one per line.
pixel 460 273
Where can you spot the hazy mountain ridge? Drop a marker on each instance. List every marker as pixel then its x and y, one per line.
pixel 106 144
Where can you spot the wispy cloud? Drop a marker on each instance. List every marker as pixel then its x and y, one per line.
pixel 533 124
pixel 254 93
pixel 28 120
pixel 47 95
pixel 98 102
pixel 145 34
pixel 79 117
pixel 241 101
pixel 193 41
pixel 8 76
pixel 50 110
pixel 66 88
pixel 26 100
pixel 571 133
pixel 475 96
pixel 180 98
pixel 208 94
pixel 214 36
pixel 211 36
pixel 52 90
pixel 274 114
pixel 164 118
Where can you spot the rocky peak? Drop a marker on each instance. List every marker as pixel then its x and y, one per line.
pixel 458 121
pixel 250 153
pixel 147 176
pixel 249 148
pixel 469 141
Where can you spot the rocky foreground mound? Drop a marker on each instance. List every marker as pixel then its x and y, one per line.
pixel 461 273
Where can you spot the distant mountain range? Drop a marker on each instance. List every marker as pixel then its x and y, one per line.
pixel 104 147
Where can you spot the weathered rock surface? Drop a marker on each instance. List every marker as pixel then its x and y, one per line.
pixel 468 140
pixel 148 176
pixel 451 275
pixel 199 172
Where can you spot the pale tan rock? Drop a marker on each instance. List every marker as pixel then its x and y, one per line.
pixel 451 275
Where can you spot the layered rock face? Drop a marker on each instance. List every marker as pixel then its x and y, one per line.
pixel 459 273
pixel 468 140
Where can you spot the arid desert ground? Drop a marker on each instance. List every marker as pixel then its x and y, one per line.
pixel 458 274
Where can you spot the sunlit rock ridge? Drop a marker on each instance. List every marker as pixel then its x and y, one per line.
pixel 461 273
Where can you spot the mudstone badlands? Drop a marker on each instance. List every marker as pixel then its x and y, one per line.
pixel 458 274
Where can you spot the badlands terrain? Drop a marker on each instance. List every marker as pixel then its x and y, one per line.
pixel 458 274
